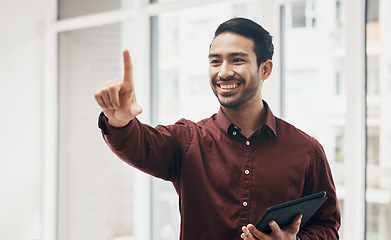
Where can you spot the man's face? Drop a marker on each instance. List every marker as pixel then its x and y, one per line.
pixel 234 75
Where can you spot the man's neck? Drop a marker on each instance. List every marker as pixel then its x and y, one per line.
pixel 249 119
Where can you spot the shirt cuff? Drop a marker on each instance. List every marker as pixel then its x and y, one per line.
pixel 112 134
pixel 297 238
pixel 104 125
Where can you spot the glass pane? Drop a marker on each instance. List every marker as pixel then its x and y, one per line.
pixel 77 8
pixel 95 188
pixel 301 14
pixel 181 84
pixel 378 119
pixel 298 14
pixel 314 84
pixel 373 10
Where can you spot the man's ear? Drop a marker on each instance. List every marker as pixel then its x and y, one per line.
pixel 266 69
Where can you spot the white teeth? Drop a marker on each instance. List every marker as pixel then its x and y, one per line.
pixel 229 86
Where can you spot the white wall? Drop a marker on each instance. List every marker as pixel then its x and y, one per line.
pixel 22 29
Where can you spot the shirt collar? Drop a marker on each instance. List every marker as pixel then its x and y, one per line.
pixel 270 120
pixel 228 127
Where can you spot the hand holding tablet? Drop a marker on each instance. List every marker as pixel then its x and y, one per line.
pixel 284 213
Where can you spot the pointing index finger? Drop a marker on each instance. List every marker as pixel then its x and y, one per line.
pixel 128 70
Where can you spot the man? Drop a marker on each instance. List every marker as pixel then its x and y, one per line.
pixel 226 169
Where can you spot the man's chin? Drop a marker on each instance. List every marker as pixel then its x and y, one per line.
pixel 230 104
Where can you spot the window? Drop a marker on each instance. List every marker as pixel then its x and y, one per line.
pixel 298 15
pixel 78 8
pixel 340 86
pixel 339 141
pixel 373 145
pixel 373 10
pixel 339 12
pixel 96 194
pixel 378 215
pixel 378 131
pixel 181 87
pixel 95 189
pixel 301 14
pixel 313 79
pixel 373 75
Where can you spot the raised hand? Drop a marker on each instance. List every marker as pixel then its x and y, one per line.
pixel 117 98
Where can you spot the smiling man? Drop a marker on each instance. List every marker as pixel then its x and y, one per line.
pixel 226 169
pixel 236 79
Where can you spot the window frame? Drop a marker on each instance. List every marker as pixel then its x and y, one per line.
pixel 354 191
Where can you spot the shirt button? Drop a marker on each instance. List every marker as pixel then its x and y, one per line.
pixel 247 172
pixel 245 204
pixel 234 133
pixel 247 143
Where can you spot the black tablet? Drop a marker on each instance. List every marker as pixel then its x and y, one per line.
pixel 284 213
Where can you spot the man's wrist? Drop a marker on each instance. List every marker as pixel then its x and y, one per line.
pixel 118 123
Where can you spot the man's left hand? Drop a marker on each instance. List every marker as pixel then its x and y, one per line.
pixel 287 233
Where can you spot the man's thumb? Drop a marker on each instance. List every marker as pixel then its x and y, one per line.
pixel 136 109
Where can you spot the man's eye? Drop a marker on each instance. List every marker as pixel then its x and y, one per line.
pixel 238 60
pixel 214 61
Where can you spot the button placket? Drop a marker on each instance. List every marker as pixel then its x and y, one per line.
pixel 246 182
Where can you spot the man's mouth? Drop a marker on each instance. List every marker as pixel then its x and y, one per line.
pixel 227 86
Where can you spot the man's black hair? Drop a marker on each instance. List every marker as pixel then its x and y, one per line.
pixel 263 46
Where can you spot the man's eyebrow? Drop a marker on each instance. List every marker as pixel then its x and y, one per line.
pixel 233 54
pixel 243 54
pixel 212 55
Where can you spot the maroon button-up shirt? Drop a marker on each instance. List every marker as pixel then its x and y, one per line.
pixel 226 181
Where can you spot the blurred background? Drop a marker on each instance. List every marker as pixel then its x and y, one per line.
pixel 58 179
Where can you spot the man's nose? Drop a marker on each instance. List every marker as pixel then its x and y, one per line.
pixel 226 71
